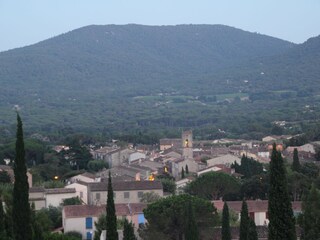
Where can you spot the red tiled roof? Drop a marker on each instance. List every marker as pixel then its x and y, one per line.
pixel 60 190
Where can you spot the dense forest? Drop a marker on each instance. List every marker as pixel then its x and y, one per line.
pixel 146 82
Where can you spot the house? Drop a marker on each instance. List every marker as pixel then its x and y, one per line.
pixel 55 196
pixel 81 190
pixel 176 166
pixel 37 197
pixel 124 192
pixel 113 156
pixel 227 159
pixel 43 198
pixel 81 218
pixel 258 209
pixel 182 183
pixel 136 156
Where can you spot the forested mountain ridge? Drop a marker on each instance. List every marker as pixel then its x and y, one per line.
pixel 136 78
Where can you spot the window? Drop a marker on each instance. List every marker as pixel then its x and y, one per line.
pixel 98 196
pixel 126 194
pixel 89 235
pixel 140 194
pixel 89 223
pixel 141 219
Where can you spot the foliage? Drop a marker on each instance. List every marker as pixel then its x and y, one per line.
pixel 74 234
pixel 100 225
pixel 256 187
pixel 252 232
pixel 213 186
pixel 21 208
pixel 166 217
pixel 191 232
pixel 2 221
pixel 249 167
pixel 282 222
pixel 311 215
pixel 169 185
pixel 111 217
pixel 58 236
pixel 182 173
pixel 149 197
pixel 225 229
pixel 128 231
pixel 296 163
pixel 53 184
pixel 71 201
pixel 298 185
pixel 4 177
pixel 97 165
pixel 187 169
pixel 51 217
pixel 244 222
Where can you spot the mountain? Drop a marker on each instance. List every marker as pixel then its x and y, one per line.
pixel 134 77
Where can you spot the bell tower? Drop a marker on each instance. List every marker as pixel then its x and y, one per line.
pixel 187 150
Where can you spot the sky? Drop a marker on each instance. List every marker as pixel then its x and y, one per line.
pixel 25 22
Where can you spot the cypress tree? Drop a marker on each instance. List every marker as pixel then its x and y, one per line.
pixel 20 207
pixel 244 221
pixel 296 163
pixel 252 232
pixel 182 173
pixel 187 169
pixel 112 233
pixel 311 215
pixel 225 230
pixel 128 231
pixel 191 231
pixel 282 222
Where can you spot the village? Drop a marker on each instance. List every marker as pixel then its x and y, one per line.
pixel 136 173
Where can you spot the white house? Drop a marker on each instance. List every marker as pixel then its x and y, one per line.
pixel 227 159
pixel 81 218
pixel 55 196
pixel 81 190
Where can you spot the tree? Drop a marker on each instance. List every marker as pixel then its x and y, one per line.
pixel 71 201
pixel 187 169
pixel 255 187
pixel 311 215
pixel 213 186
pixel 128 231
pixel 244 221
pixel 4 177
pixel 282 222
pixel 191 232
pixel 21 208
pixel 167 217
pixel 225 230
pixel 112 233
pixel 149 197
pixel 36 226
pixel 252 232
pixel 296 163
pixel 100 225
pixel 182 173
pixel 168 185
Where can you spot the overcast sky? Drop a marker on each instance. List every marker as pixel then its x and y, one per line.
pixel 24 22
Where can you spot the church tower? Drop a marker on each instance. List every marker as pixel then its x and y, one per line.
pixel 187 150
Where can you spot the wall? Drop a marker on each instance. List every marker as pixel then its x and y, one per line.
pixel 56 199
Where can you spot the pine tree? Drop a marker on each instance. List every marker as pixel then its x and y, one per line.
pixel 21 208
pixel 225 230
pixel 296 163
pixel 252 232
pixel 282 222
pixel 182 173
pixel 187 169
pixel 244 221
pixel 311 215
pixel 128 231
pixel 112 233
pixel 191 231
